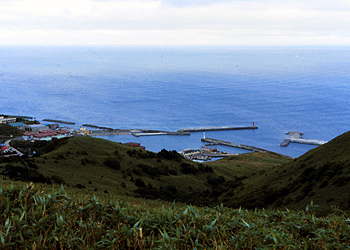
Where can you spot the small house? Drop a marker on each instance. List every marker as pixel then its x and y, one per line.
pixel 134 145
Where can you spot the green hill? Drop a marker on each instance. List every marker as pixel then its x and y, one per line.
pixel 7 130
pixel 254 180
pixel 101 166
pixel 321 175
pixel 97 208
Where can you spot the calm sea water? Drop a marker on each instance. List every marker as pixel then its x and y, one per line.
pixel 168 88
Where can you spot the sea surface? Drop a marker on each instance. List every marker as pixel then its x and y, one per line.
pixel 168 88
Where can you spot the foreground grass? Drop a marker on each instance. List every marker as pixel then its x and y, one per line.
pixel 31 218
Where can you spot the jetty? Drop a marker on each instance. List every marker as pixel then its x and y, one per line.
pixel 204 129
pixel 58 121
pixel 296 137
pixel 144 132
pixel 187 131
pixel 234 145
pixel 96 127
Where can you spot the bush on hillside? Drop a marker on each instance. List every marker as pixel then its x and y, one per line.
pixel 169 155
pixel 140 183
pixel 112 163
pixel 140 154
pixel 57 179
pixel 187 168
pixel 21 173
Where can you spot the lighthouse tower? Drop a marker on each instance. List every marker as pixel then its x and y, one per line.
pixel 203 135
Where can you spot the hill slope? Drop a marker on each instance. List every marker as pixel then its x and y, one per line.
pixel 322 175
pixel 101 166
pixel 252 180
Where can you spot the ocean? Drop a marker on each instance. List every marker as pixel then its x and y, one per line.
pixel 280 89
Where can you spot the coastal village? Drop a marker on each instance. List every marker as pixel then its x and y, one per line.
pixel 32 130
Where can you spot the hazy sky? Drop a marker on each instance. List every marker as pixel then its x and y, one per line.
pixel 175 22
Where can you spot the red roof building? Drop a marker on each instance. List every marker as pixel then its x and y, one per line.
pixel 134 145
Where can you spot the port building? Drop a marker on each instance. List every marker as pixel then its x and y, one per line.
pixel 35 128
pixel 19 125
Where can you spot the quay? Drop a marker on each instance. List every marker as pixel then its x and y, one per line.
pixel 143 132
pixel 296 137
pixel 204 154
pixel 104 132
pixel 97 127
pixel 59 121
pixel 235 145
pixel 203 129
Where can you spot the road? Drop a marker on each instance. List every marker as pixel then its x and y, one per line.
pixel 7 143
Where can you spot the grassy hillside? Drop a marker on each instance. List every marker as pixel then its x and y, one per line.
pixel 322 175
pixel 7 130
pixel 98 207
pixel 254 180
pixel 34 219
pixel 104 167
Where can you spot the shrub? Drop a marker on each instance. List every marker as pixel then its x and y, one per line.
pixel 307 188
pixel 187 168
pixel 169 155
pixel 80 186
pixel 57 179
pixel 24 174
pixel 140 183
pixel 341 181
pixel 153 171
pixel 216 181
pixel 112 163
pixel 324 182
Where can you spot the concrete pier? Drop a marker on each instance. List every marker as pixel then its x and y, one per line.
pixel 203 129
pixel 143 132
pixel 296 137
pixel 59 121
pixel 220 155
pixel 235 145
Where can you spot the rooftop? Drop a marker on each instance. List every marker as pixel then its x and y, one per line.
pixel 17 124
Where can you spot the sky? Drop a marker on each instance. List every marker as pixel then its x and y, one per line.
pixel 175 22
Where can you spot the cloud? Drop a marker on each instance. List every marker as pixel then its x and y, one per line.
pixel 175 22
pixel 183 3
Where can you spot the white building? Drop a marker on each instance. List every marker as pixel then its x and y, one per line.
pixel 4 120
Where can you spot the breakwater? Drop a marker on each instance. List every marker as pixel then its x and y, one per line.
pixel 296 137
pixel 152 132
pixel 235 145
pixel 58 121
pixel 96 127
pixel 144 132
pixel 204 129
pixel 186 131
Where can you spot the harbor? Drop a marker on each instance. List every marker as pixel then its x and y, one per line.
pixel 296 137
pixel 48 131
